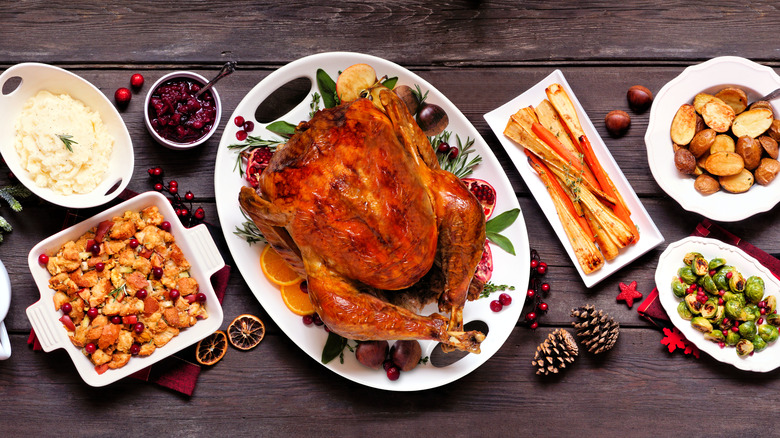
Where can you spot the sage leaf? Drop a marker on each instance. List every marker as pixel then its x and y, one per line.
pixel 282 128
pixel 333 347
pixel 327 89
pixel 502 241
pixel 502 221
pixel 390 83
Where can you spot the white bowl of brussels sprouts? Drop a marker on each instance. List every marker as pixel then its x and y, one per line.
pixel 723 300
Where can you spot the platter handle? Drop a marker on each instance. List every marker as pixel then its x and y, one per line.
pixel 205 249
pixel 47 328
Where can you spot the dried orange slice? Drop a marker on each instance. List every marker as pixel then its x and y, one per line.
pixel 297 300
pixel 276 269
pixel 211 348
pixel 245 332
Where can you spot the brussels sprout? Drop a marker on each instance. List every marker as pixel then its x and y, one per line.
pixel 744 347
pixel 688 259
pixel 716 263
pixel 709 309
pixel 701 324
pixel 732 338
pixel 754 289
pixel 720 279
pixel 684 312
pixel 753 312
pixel 720 314
pixel 748 330
pixel 731 296
pixel 678 288
pixel 768 332
pixel 708 285
pixel 774 319
pixel 694 306
pixel 687 275
pixel 699 266
pixel 715 336
pixel 771 304
pixel 737 283
pixel 758 344
pixel 735 311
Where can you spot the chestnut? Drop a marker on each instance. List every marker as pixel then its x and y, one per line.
pixel 617 122
pixel 639 98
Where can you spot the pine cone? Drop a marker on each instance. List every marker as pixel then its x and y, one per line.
pixel 555 352
pixel 596 329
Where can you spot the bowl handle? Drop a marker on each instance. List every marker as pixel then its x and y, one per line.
pixel 48 330
pixel 5 343
pixel 205 249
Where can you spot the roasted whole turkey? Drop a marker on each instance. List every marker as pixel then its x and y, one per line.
pixel 356 202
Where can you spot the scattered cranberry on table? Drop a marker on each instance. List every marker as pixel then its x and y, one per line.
pixel 122 96
pixel 137 81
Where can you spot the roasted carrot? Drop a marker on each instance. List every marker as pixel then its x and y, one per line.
pixel 558 189
pixel 620 208
pixel 574 160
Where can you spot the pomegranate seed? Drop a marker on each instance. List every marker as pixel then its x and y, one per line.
pixel 761 304
pixel 443 148
pixel 725 332
pixel 729 275
pixel 543 306
pixel 116 319
pixel 43 259
pixel 542 269
pixel 189 196
pixel 722 344
pixel 505 299
pixel 317 320
pixel 157 272
pixel 721 292
pixel 545 287
pixel 534 264
pixel 139 328
pixel 66 308
pixel 141 294
pixel 496 306
pixel 530 316
pixel 173 294
pixel 239 121
pixel 725 320
pixel 534 325
pixel 92 312
pixel 307 320
pixel 90 348
pixel 136 81
pixel 721 301
pixel 158 187
pixel 200 297
pixel 700 293
pixel 135 349
pixel 166 226
pixel 453 154
pixel 735 329
pixel 760 321
pixel 241 135
pixel 249 126
pixel 100 266
pixel 713 272
pixel 133 243
pixel 393 373
pixel 702 299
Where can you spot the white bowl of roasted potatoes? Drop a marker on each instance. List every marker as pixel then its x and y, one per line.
pixel 712 144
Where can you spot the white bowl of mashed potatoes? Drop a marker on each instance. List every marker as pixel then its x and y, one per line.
pixel 62 138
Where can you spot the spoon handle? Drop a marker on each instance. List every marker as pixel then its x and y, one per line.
pixel 227 69
pixel 771 95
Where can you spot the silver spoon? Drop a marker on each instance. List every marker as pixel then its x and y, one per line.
pixel 770 96
pixel 227 69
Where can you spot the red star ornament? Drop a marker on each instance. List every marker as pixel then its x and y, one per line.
pixel 629 294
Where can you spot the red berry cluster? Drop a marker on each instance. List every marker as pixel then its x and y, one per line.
pixel 246 126
pixel 536 290
pixel 182 205
pixel 450 152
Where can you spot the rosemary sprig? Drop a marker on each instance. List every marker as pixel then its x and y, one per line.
pixel 490 287
pixel 114 293
pixel 315 104
pixel 249 231
pixel 461 166
pixel 419 94
pixel 68 140
pixel 245 149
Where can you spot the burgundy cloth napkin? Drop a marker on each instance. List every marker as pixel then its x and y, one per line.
pixel 651 308
pixel 175 372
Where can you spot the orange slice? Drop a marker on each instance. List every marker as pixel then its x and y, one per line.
pixel 297 300
pixel 245 332
pixel 276 269
pixel 211 348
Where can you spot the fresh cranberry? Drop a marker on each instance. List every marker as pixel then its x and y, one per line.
pixel 505 299
pixel 43 259
pixel 133 243
pixel 249 126
pixel 530 316
pixel 166 226
pixel 304 286
pixel 531 293
pixel 139 328
pixel 158 187
pixel 90 348
pixel 189 196
pixel 66 308
pixel 543 306
pixel 100 266
pixel 122 96
pixel 542 269
pixel 496 306
pixel 200 297
pixel 761 304
pixel 141 294
pixel 307 320
pixel 95 249
pixel 387 364
pixel 393 373
pixel 92 312
pixel 444 148
pixel 173 294
pixel 157 272
pixel 116 319
pixel 239 121
pixel 545 287
pixel 534 264
pixel 317 320
pixel 241 135
pixel 453 153
pixel 136 81
pixel 326 328
pixel 11 176
pixel 200 213
pixel 534 325
pixel 135 348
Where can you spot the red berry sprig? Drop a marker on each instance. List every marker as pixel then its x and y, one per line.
pixel 537 290
pixel 182 205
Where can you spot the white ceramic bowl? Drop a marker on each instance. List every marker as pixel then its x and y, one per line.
pixel 36 77
pixel 5 304
pixel 709 77
pixel 169 143
pixel 199 249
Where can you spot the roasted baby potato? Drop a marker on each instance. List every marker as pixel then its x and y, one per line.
pixel 706 185
pixel 723 143
pixel 685 161
pixel 769 144
pixel 762 104
pixel 767 171
pixel 750 149
pixel 724 163
pixel 774 130
pixel 683 125
pixel 717 115
pixel 733 97
pixel 702 142
pixel 700 100
pixel 738 183
pixel 752 122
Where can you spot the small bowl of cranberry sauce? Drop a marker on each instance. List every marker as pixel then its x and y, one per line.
pixel 175 117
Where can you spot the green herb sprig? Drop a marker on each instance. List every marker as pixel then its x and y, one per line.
pixel 249 231
pixel 462 166
pixel 68 140
pixel 245 149
pixel 491 287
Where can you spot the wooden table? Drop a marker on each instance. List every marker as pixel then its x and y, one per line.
pixel 479 54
